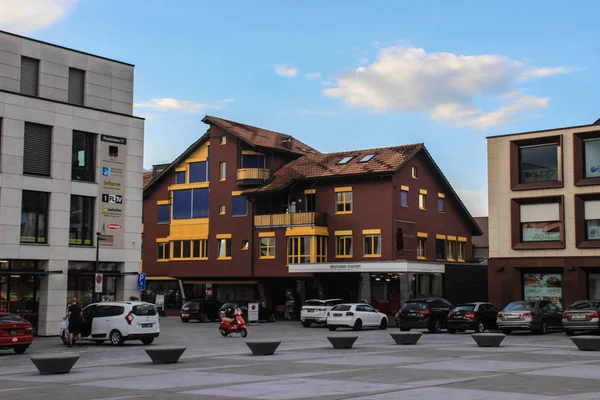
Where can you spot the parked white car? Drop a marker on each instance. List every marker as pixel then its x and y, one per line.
pixel 119 321
pixel 315 311
pixel 355 316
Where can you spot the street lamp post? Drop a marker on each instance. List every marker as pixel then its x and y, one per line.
pixel 97 296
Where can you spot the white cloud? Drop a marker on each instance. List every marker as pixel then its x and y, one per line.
pixel 327 83
pixel 26 16
pixel 313 76
pixel 476 201
pixel 286 71
pixel 444 85
pixel 170 104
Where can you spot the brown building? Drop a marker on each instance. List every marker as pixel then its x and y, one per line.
pixel 247 214
pixel 544 215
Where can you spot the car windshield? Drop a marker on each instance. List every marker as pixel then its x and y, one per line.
pixel 333 303
pixel 341 307
pixel 192 304
pixel 144 309
pixel 520 305
pixel 314 303
pixel 585 305
pixel 11 318
pixel 465 307
pixel 414 305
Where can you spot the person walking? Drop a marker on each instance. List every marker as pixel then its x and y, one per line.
pixel 75 316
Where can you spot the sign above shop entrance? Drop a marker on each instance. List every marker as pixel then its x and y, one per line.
pixel 384 266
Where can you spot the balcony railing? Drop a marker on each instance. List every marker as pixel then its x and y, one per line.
pixel 291 219
pixel 253 175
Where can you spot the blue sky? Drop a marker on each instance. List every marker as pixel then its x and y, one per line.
pixel 343 75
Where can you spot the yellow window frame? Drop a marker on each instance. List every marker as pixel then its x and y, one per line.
pixel 370 237
pixel 343 242
pixel 267 244
pixel 422 247
pixel 223 240
pixel 202 249
pixel 344 199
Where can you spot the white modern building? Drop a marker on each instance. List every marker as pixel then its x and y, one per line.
pixel 71 172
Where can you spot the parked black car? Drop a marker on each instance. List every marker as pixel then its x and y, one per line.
pixel 425 313
pixel 202 310
pixel 475 316
pixel 264 313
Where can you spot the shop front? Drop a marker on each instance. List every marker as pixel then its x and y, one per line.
pixel 543 286
pixel 81 283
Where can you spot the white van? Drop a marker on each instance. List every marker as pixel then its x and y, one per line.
pixel 119 321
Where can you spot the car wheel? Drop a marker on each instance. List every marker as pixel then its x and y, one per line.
pixel 99 341
pixel 243 333
pixel 383 324
pixel 116 338
pixel 404 329
pixel 452 331
pixel 570 333
pixel 203 318
pixel 436 328
pixel 543 328
pixel 148 341
pixel 479 328
pixel 507 331
pixel 306 324
pixel 185 320
pixel 20 349
pixel 357 325
pixel 332 328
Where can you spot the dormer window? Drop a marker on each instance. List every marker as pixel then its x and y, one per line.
pixel 367 158
pixel 345 160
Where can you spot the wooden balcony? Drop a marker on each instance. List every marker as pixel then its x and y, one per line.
pixel 291 219
pixel 252 176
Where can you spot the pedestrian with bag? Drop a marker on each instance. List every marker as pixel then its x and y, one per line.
pixel 75 316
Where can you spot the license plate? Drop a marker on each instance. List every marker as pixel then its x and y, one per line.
pixel 579 317
pixel 512 316
pixel 337 315
pixel 458 317
pixel 185 315
pixel 146 325
pixel 13 332
pixel 310 310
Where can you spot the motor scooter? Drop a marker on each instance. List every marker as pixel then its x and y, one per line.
pixel 233 325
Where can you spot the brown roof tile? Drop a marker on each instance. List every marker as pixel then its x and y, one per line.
pixel 314 166
pixel 147 178
pixel 260 137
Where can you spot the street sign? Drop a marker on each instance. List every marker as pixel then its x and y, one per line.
pixel 252 312
pixel 141 281
pixel 98 280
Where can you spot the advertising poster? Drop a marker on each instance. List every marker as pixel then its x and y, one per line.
pixel 113 153
pixel 592 158
pixel 543 287
pixel 540 232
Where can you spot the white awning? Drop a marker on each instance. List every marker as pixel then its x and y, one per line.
pixel 544 212
pixel 592 209
pixel 383 266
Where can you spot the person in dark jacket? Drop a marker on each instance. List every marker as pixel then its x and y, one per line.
pixel 75 316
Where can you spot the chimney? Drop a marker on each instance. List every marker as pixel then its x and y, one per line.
pixel 287 143
pixel 158 168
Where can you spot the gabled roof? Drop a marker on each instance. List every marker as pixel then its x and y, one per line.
pixel 360 162
pixel 147 178
pixel 259 137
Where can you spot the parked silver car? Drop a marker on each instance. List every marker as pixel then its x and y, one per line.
pixel 582 316
pixel 538 316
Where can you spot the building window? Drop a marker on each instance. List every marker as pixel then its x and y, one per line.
pixel 221 210
pixel 224 249
pixel 245 245
pixel 421 248
pixel 586 153
pixel 441 202
pixel 343 202
pixel 451 249
pixel 440 249
pixel 198 171
pixel 539 286
pixel 223 139
pixel 321 255
pixel 423 200
pixel 30 73
pixel 200 249
pixel 267 247
pixel 222 170
pixel 34 217
pixel 81 226
pixel 343 246
pixel 372 245
pixel 591 158
pixel 180 177
pixel 76 86
pixel 190 203
pixel 164 213
pixel 239 206
pixel 404 196
pixel 253 161
pixel 536 163
pixel 540 222
pixel 163 252
pixel 413 172
pixel 462 250
pixel 587 220
pixel 37 149
pixel 83 154
pixel 311 202
pixel 299 248
pixel 592 219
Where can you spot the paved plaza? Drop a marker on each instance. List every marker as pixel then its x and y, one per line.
pixel 526 367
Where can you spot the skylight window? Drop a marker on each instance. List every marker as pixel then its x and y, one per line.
pixel 303 149
pixel 312 151
pixel 367 157
pixel 345 160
